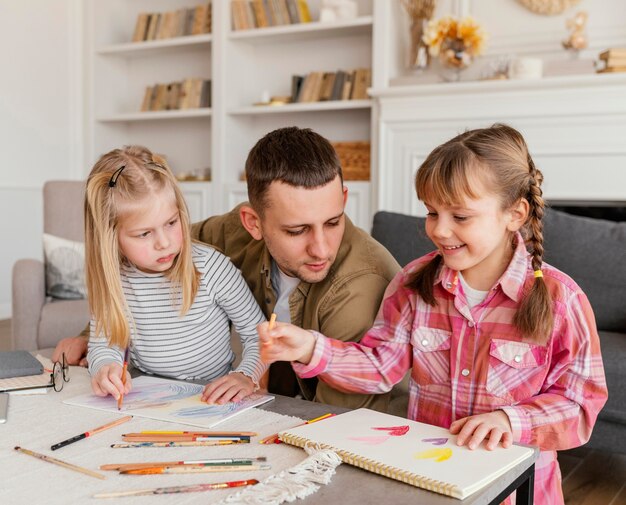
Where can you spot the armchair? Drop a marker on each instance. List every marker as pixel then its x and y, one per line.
pixel 39 321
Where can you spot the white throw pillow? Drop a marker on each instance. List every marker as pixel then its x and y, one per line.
pixel 65 268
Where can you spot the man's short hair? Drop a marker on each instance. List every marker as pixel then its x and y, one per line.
pixel 296 156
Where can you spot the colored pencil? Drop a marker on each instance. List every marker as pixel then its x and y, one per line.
pixel 179 489
pixel 183 438
pixel 195 469
pixel 197 433
pixel 55 461
pixel 223 461
pixel 90 433
pixel 120 400
pixel 273 438
pixel 129 445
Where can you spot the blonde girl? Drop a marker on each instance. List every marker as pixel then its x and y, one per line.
pixel 153 291
pixel 501 347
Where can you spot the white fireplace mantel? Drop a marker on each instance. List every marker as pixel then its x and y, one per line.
pixel 575 127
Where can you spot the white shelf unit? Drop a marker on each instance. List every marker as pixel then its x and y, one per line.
pixel 262 61
pixel 243 65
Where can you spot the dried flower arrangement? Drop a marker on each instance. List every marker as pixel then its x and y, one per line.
pixel 456 41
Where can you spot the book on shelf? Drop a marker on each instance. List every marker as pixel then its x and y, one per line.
pixel 153 26
pixel 362 81
pixel 609 70
pixel 141 27
pixel 614 52
pixel 191 93
pixel 303 11
pixel 147 99
pixel 347 86
pixel 292 8
pixel 178 23
pixel 249 14
pixel 328 82
pixel 418 454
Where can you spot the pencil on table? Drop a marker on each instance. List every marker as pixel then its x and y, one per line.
pixel 205 443
pixel 178 489
pixel 90 433
pixel 124 368
pixel 273 438
pixel 55 461
pixel 195 469
pixel 212 461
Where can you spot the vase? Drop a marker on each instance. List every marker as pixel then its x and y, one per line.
pixel 454 59
pixel 419 58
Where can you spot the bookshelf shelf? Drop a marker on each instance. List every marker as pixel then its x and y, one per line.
pixel 141 49
pixel 303 31
pixel 155 115
pixel 334 105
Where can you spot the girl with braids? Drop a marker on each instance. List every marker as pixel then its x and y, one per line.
pixel 501 347
pixel 153 291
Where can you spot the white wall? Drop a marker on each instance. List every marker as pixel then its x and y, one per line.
pixel 40 119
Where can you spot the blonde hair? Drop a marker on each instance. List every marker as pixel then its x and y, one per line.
pixel 120 177
pixel 498 157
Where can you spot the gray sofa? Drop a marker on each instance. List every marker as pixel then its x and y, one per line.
pixel 39 321
pixel 593 253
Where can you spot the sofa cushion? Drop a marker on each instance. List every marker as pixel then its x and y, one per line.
pixel 404 236
pixel 593 253
pixel 60 319
pixel 613 346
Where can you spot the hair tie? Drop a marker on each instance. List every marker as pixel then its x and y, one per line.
pixel 538 273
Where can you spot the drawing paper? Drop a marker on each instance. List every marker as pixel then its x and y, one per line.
pixel 170 400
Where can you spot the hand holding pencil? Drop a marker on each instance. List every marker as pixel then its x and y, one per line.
pixel 285 342
pixel 108 381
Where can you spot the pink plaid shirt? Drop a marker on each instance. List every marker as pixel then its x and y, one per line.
pixel 470 361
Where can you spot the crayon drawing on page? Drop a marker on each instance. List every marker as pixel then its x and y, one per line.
pixel 173 401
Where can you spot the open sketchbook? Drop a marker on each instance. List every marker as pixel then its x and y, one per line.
pixel 419 454
pixel 170 400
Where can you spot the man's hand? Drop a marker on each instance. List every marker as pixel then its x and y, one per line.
pixel 233 387
pixel 285 342
pixel 75 349
pixel 108 381
pixel 474 429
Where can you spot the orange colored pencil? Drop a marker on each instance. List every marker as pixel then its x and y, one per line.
pixel 120 400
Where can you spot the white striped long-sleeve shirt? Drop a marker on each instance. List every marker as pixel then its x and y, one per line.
pixel 196 345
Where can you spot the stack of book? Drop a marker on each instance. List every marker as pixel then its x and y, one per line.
pixel 322 86
pixel 178 23
pixel 614 60
pixel 249 14
pixel 191 93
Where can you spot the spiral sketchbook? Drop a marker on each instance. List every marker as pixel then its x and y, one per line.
pixel 419 454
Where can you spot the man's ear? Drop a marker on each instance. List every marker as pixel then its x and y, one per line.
pixel 251 221
pixel 345 195
pixel 519 214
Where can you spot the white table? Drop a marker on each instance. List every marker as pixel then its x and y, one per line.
pixel 36 422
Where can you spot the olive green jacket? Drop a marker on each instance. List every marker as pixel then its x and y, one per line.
pixel 342 306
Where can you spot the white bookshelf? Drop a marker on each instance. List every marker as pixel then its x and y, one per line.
pixel 244 66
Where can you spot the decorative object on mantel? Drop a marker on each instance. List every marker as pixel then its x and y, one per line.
pixel 614 60
pixel 455 41
pixel 548 7
pixel 497 69
pixel 337 10
pixel 420 12
pixel 526 68
pixel 577 39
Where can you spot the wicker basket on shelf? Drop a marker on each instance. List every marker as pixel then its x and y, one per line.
pixel 355 160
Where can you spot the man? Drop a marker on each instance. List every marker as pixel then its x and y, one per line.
pixel 301 256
